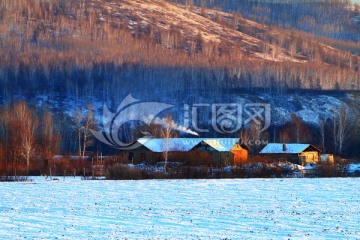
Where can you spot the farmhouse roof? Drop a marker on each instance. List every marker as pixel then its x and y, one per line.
pixel 287 148
pixel 186 144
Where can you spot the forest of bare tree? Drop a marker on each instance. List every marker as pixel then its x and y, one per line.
pixel 67 47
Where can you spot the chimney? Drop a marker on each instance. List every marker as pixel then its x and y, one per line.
pixel 284 147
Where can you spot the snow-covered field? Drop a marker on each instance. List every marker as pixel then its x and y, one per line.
pixel 181 209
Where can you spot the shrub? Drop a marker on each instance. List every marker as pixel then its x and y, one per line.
pixel 124 172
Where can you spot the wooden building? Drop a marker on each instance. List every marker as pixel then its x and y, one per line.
pixel 291 152
pixel 225 151
pixel 220 151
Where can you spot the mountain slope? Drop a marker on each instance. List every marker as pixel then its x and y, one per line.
pixel 190 24
pixel 171 26
pixel 84 47
pixel 336 19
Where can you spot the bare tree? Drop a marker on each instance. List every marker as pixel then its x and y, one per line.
pixel 48 138
pixel 28 123
pixel 322 126
pixel 341 128
pixel 344 128
pixel 78 114
pixel 85 121
pixel 90 124
pixel 27 149
pixel 245 135
pixel 167 132
pixel 252 135
pixel 292 47
pixel 299 129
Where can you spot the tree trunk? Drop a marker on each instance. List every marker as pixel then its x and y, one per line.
pixel 79 141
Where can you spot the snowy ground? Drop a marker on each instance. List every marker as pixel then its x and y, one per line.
pixel 181 209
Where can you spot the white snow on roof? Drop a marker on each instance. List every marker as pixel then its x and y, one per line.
pixel 290 148
pixel 221 144
pixel 173 145
pixel 186 144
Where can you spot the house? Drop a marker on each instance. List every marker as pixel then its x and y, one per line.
pixel 224 151
pixel 151 150
pixel 291 152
